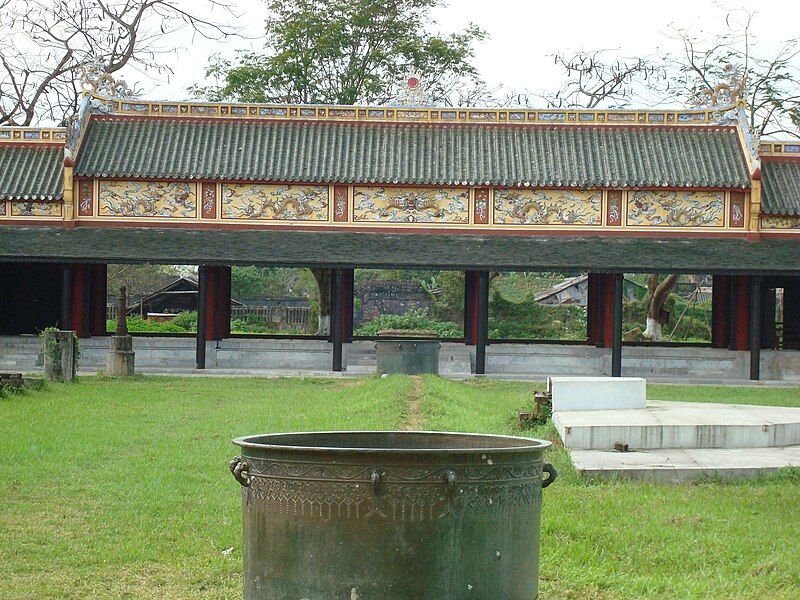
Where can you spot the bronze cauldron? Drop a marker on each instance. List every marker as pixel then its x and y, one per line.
pixel 366 515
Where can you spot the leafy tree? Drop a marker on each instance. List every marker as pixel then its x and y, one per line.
pixel 247 282
pixel 348 52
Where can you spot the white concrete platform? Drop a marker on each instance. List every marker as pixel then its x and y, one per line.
pixel 597 393
pixel 685 425
pixel 676 465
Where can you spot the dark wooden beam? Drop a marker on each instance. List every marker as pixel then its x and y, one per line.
pixel 202 307
pixel 66 296
pixel 337 322
pixel 616 341
pixel 482 330
pixel 755 328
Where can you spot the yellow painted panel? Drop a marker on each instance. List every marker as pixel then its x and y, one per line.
pixel 155 199
pixel 261 202
pixel 776 222
pixel 676 209
pixel 35 209
pixel 411 205
pixel 547 207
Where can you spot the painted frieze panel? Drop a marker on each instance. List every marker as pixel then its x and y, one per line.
pixel 85 200
pixel 153 199
pixel 340 203
pixel 481 209
pixel 736 210
pixel 262 202
pixel 2 208
pixel 614 208
pixel 780 222
pixel 547 207
pixel 411 205
pixel 209 208
pixel 676 209
pixel 35 209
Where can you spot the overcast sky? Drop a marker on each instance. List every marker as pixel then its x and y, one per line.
pixel 523 35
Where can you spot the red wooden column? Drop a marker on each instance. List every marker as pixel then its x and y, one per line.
pixel 600 310
pixel 217 301
pixel 471 307
pixel 85 299
pixel 740 312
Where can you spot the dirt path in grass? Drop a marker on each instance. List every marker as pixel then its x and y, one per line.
pixel 414 418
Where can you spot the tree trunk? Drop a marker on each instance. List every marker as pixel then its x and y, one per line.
pixel 323 277
pixel 657 294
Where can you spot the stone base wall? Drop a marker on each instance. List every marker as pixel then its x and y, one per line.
pixel 536 361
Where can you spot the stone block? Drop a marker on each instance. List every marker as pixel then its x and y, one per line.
pixel 597 393
pixel 120 357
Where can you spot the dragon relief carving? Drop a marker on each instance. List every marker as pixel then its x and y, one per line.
pixel 411 205
pixel 676 209
pixel 274 202
pixel 147 199
pixel 543 207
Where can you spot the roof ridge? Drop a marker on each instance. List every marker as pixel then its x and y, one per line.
pixel 409 114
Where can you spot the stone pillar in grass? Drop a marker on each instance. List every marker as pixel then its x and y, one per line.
pixel 59 355
pixel 120 355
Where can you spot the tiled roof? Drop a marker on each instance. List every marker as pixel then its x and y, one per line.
pixel 631 254
pixel 31 172
pixel 414 154
pixel 780 192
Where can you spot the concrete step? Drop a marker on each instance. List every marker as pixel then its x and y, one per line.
pixel 685 425
pixel 677 466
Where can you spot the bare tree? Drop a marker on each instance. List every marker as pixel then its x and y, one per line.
pixel 596 78
pixel 729 68
pixel 51 49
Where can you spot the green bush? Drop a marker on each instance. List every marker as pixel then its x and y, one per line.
pixel 414 320
pixel 186 320
pixel 137 324
pixel 527 319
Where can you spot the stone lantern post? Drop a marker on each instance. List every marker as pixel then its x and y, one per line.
pixel 120 355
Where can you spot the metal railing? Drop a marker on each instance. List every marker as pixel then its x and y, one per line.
pixel 296 317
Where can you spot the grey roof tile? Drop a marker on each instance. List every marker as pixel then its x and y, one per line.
pixel 415 154
pixel 31 172
pixel 780 191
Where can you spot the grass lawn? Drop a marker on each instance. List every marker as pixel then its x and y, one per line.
pixel 122 490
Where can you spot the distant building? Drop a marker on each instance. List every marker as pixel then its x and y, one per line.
pixel 576 291
pixel 177 296
pixel 389 297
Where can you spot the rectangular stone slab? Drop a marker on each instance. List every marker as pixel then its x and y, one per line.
pixel 597 393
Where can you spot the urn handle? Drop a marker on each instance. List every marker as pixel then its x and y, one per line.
pixel 449 478
pixel 376 479
pixel 240 470
pixel 552 474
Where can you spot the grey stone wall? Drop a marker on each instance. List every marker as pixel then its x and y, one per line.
pixel 522 361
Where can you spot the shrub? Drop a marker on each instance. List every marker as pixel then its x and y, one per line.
pixel 414 320
pixel 186 320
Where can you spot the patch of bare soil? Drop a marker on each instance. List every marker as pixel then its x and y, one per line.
pixel 414 417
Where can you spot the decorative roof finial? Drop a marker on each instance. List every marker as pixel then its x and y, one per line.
pixel 413 93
